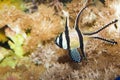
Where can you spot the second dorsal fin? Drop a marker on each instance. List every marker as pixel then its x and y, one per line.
pixel 78 16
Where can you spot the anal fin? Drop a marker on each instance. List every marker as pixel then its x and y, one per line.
pixel 75 55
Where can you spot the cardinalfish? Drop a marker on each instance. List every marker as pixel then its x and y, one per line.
pixel 73 39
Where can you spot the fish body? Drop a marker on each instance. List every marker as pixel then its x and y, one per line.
pixel 72 40
pixel 72 43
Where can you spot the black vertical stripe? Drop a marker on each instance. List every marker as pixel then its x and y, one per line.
pixel 81 41
pixel 68 39
pixel 67 36
pixel 60 41
pixel 79 32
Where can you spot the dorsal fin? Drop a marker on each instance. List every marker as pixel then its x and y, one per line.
pixel 67 34
pixel 80 12
pixel 66 14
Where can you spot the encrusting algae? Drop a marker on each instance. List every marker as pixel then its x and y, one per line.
pixel 45 60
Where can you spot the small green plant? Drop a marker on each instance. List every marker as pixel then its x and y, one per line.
pixel 16 44
pixel 10 57
pixel 10 61
pixel 4 52
pixel 19 4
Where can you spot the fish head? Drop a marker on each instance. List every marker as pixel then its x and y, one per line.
pixel 60 41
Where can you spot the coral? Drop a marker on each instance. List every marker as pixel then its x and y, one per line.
pixel 36 1
pixel 12 76
pixel 32 5
pixel 14 18
pixel 45 27
pixel 44 55
pixel 47 61
pixel 101 65
pixel 40 23
pixel 57 71
pixel 57 5
pixel 115 5
pixel 9 22
pixel 103 58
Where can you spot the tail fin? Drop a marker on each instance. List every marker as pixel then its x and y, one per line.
pixel 106 40
pixel 105 26
pixel 75 55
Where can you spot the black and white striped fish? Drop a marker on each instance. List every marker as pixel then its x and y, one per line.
pixel 72 39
